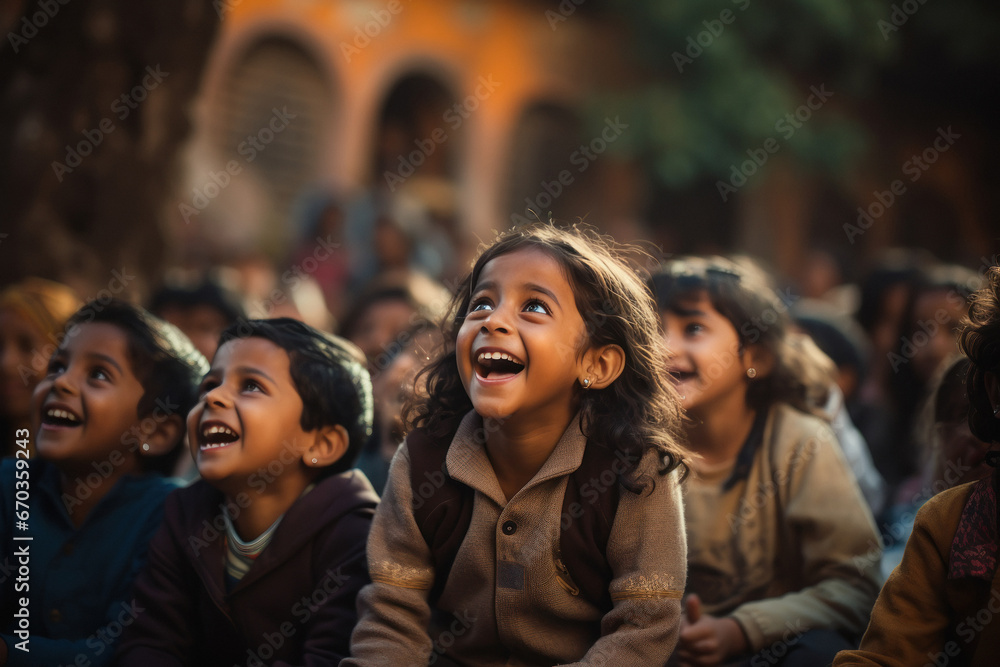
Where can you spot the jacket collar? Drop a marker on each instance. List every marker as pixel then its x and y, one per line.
pixel 469 464
pixel 332 498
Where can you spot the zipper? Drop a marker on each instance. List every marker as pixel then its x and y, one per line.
pixel 564 579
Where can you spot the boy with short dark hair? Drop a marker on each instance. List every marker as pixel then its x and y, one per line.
pixel 261 560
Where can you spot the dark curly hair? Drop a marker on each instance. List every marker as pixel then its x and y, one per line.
pixel 980 341
pixel 742 292
pixel 639 410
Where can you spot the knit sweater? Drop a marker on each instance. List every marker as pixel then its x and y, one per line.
pixel 502 602
pixel 783 541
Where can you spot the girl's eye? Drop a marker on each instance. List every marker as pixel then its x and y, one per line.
pixel 693 329
pixel 100 374
pixel 481 304
pixel 536 306
pixel 56 366
pixel 207 386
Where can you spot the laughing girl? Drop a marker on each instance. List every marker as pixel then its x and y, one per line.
pixel 533 516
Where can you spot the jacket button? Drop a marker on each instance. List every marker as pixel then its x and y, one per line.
pixel 509 528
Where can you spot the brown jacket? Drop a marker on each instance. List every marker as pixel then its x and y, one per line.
pixel 502 603
pixel 786 543
pixel 295 606
pixel 926 614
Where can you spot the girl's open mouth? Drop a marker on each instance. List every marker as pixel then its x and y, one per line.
pixel 497 365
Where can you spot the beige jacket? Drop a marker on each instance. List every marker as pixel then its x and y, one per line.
pixel 790 546
pixel 507 606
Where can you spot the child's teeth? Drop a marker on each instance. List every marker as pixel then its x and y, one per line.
pixel 485 356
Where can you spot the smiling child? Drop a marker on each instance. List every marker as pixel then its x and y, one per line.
pixel 776 522
pixel 533 515
pixel 260 561
pixel 107 415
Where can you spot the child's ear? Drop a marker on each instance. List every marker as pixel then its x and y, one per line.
pixel 760 358
pixel 164 437
pixel 329 444
pixel 602 366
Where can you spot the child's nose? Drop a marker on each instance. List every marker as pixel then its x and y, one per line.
pixel 217 396
pixel 64 382
pixel 498 320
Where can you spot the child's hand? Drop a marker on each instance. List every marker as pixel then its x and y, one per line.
pixel 706 640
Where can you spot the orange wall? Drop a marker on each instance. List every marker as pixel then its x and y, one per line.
pixel 367 47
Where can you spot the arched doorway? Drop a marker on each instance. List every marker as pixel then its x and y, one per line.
pixel 276 109
pixel 552 168
pixel 418 134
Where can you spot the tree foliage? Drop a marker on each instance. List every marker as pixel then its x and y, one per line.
pixel 722 76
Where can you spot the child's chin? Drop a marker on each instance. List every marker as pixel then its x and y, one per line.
pixel 491 412
pixel 690 401
pixel 48 449
pixel 45 452
pixel 219 480
pixel 208 472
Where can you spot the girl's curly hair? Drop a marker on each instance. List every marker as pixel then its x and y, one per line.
pixel 980 341
pixel 639 410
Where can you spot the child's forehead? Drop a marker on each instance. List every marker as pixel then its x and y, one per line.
pixel 690 301
pixel 246 344
pixel 240 350
pixel 89 334
pixel 98 339
pixel 528 259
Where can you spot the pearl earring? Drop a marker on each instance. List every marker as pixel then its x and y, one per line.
pixel 751 372
pixel 586 383
pixel 315 461
pixel 145 446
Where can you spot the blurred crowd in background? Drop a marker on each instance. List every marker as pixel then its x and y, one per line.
pixel 892 337
pixel 340 162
